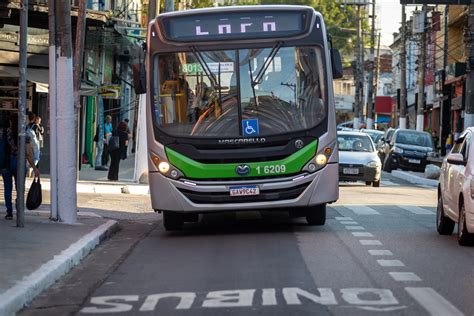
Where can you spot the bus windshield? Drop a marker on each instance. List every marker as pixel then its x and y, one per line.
pixel 239 93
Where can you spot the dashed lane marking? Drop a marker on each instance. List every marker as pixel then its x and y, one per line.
pixel 390 263
pixel 349 222
pixel 370 242
pixel 362 234
pixel 404 276
pixel 355 228
pixel 416 209
pixel 380 252
pixel 362 210
pixel 432 301
pixel 343 218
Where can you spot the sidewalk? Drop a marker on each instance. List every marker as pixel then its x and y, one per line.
pixel 34 257
pixel 415 178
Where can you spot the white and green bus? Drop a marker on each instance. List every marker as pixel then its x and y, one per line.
pixel 240 112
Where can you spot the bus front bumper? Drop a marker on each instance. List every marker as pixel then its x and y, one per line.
pixel 214 196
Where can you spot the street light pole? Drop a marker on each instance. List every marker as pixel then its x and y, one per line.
pixel 370 90
pixel 403 73
pixel 421 75
pixel 358 94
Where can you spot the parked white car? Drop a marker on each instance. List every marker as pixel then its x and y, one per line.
pixel 456 190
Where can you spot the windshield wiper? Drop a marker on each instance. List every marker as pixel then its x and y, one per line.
pixel 266 64
pixel 212 78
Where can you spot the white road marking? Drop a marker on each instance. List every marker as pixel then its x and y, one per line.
pixel 362 234
pixel 378 296
pixel 186 300
pixel 432 301
pixel 390 263
pixel 404 276
pixel 370 242
pixel 380 252
pixel 349 223
pixel 416 210
pixel 355 228
pixel 362 210
pixel 230 298
pixel 326 296
pixel 343 218
pixel 111 304
pixel 269 297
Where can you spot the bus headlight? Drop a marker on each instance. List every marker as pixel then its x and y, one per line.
pixel 164 167
pixel 321 160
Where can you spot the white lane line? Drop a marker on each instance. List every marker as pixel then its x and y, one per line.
pixel 344 218
pixel 344 222
pixel 390 263
pixel 362 210
pixel 404 276
pixel 362 234
pixel 432 301
pixel 355 228
pixel 370 242
pixel 416 210
pixel 377 252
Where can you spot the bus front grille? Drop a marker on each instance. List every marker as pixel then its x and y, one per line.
pixel 224 197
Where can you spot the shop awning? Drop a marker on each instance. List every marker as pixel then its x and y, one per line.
pixel 40 77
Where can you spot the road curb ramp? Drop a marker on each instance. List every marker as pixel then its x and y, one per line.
pixel 413 178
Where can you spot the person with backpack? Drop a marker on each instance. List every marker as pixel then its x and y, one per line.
pixel 8 159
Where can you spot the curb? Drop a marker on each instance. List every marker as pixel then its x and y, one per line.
pixel 119 188
pixel 32 285
pixel 407 176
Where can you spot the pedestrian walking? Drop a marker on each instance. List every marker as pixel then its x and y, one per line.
pixel 33 131
pixel 8 157
pixel 117 153
pixel 129 133
pixel 108 128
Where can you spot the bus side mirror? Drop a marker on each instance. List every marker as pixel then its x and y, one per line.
pixel 336 64
pixel 139 78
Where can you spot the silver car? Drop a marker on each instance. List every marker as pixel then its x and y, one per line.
pixel 358 159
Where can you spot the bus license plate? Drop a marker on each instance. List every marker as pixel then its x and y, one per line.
pixel 414 161
pixel 350 171
pixel 244 191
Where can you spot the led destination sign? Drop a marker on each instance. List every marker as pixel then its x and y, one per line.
pixel 235 25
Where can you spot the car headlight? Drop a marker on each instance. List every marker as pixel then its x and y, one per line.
pixel 432 154
pixel 397 150
pixel 373 164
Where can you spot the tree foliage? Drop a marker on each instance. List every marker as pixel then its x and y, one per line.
pixel 341 20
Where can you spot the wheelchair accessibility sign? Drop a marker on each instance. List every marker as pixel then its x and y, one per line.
pixel 250 127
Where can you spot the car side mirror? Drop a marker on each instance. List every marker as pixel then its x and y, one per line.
pixel 336 64
pixel 456 159
pixel 139 78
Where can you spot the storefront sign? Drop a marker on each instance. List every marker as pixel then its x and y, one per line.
pixel 112 91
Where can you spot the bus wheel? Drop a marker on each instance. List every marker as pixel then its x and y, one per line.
pixel 172 220
pixel 316 215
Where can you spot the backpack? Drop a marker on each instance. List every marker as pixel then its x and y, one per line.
pixel 4 150
pixel 34 141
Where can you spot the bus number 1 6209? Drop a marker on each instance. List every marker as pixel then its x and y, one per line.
pixel 272 169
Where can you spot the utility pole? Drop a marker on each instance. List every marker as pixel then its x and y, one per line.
pixel 77 71
pixel 153 9
pixel 377 67
pixel 67 169
pixel 403 72
pixel 52 111
pixel 421 74
pixel 358 79
pixel 370 84
pixel 469 115
pixel 21 170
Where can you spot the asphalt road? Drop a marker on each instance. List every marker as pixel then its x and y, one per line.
pixel 379 253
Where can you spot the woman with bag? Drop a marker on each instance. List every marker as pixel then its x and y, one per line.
pixel 117 146
pixel 9 174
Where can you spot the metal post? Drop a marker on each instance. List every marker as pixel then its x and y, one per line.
pixel 67 191
pixel 52 111
pixel 370 84
pixel 377 67
pixel 469 115
pixel 403 72
pixel 358 99
pixel 169 5
pixel 78 57
pixel 21 166
pixel 421 75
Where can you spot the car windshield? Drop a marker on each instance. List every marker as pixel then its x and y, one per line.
pixel 375 135
pixel 358 143
pixel 414 138
pixel 239 93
